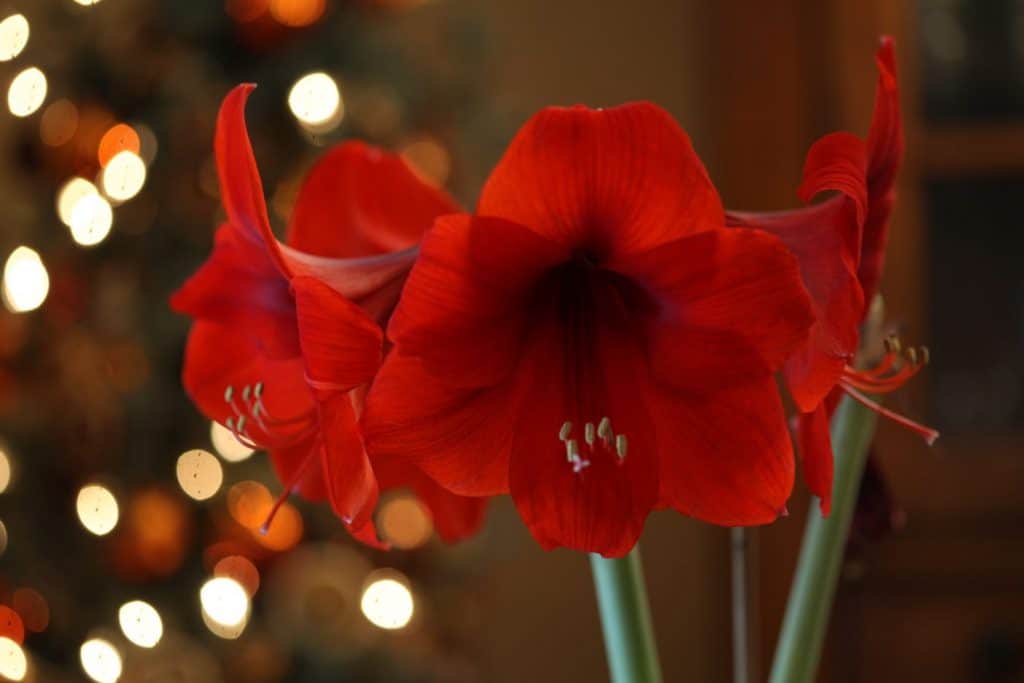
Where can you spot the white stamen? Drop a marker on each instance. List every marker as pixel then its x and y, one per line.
pixel 572 450
pixel 621 446
pixel 245 393
pixel 588 434
pixel 228 393
pixel 258 390
pixel 565 431
pixel 241 425
pixel 604 429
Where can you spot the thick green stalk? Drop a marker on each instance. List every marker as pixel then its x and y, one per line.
pixel 626 619
pixel 821 555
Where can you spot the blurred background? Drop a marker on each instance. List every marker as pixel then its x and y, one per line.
pixel 128 548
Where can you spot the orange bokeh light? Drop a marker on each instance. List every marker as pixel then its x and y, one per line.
pixel 241 570
pixel 250 504
pixel 32 608
pixel 119 138
pixel 297 13
pixel 11 625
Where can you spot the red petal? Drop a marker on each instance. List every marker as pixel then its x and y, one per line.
pixel 612 181
pixel 816 453
pixel 342 347
pixel 602 507
pixel 239 287
pixel 885 156
pixel 465 304
pixel 351 484
pixel 726 458
pixel 730 307
pixel 455 517
pixel 826 240
pixel 241 189
pixel 460 437
pixel 216 358
pixel 348 205
pixel 289 462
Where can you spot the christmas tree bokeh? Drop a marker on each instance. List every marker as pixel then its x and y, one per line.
pixel 130 535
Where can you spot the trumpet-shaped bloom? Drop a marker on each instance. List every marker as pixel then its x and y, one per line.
pixel 288 336
pixel 594 341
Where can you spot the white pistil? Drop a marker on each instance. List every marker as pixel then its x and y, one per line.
pixel 578 465
pixel 565 431
pixel 621 446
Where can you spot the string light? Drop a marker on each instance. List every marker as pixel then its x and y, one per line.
pixel 87 3
pixel 91 220
pixel 387 601
pixel 97 509
pixel 199 474
pixel 5 471
pixel 225 443
pixel 297 13
pixel 124 176
pixel 13 663
pixel 100 660
pixel 405 522
pixel 316 102
pixel 3 537
pixel 225 607
pixel 14 32
pixel 428 157
pixel 27 92
pixel 69 194
pixel 59 123
pixel 26 282
pixel 140 623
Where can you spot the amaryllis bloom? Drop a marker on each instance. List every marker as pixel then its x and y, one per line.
pixel 840 244
pixel 594 341
pixel 288 336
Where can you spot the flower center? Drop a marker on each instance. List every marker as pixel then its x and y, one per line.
pixel 271 432
pixel 596 438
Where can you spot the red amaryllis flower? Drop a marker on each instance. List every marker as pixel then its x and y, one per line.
pixel 840 244
pixel 593 340
pixel 288 336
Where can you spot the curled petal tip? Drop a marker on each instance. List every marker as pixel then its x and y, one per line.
pixel 783 512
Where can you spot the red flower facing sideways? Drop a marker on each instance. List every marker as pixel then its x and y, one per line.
pixel 287 336
pixel 840 244
pixel 595 341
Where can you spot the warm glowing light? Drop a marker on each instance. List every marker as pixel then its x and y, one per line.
pixel 91 220
pixel 70 194
pixel 100 660
pixel 199 474
pixel 33 608
pixel 241 570
pixel 13 36
pixel 225 606
pixel 430 159
pixel 87 2
pixel 5 471
pixel 13 664
pixel 225 443
pixel 26 282
pixel 59 123
pixel 148 144
pixel 297 12
pixel 405 523
pixel 249 502
pixel 97 509
pixel 387 602
pixel 124 176
pixel 3 537
pixel 140 623
pixel 120 138
pixel 27 92
pixel 316 102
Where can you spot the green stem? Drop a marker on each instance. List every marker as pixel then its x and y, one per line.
pixel 626 619
pixel 821 555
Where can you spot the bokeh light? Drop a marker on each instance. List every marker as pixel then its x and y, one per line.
pixel 26 282
pixel 387 601
pixel 140 623
pixel 119 138
pixel 70 194
pixel 200 474
pixel 87 2
pixel 91 220
pixel 14 33
pixel 100 660
pixel 11 624
pixel 124 176
pixel 297 12
pixel 59 123
pixel 5 470
pixel 33 609
pixel 225 606
pixel 225 443
pixel 430 159
pixel 3 537
pixel 27 92
pixel 405 522
pixel 316 102
pixel 13 663
pixel 97 509
pixel 241 570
